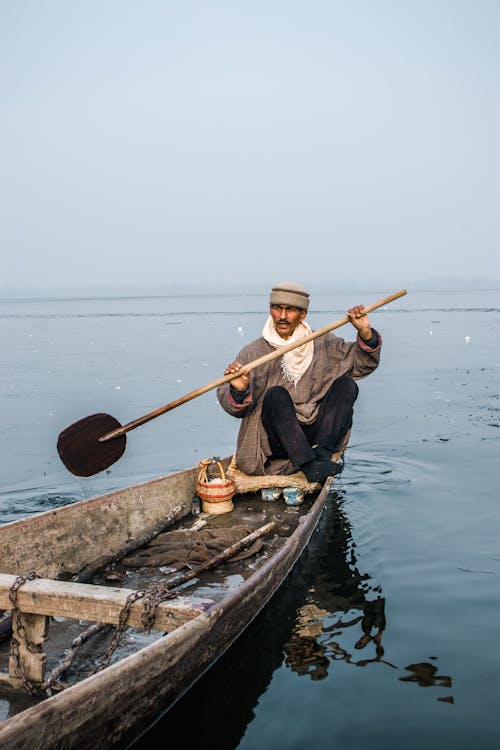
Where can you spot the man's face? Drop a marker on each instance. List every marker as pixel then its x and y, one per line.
pixel 286 319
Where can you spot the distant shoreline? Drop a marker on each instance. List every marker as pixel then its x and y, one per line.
pixel 208 289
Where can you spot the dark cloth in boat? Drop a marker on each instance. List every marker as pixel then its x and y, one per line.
pixel 333 357
pixel 187 547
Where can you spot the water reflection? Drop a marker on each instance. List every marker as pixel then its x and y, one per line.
pixel 315 645
pixel 425 675
pixel 340 598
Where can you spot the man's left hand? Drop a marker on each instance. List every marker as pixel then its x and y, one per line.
pixel 359 320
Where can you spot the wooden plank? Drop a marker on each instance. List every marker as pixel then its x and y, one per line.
pixel 80 601
pixel 35 629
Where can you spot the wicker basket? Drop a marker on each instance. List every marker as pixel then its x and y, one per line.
pixel 215 492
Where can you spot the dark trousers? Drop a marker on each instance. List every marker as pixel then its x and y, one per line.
pixel 290 439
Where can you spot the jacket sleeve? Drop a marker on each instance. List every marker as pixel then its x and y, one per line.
pixel 229 404
pixel 226 400
pixel 357 358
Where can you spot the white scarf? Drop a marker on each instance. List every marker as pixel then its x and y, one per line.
pixel 293 363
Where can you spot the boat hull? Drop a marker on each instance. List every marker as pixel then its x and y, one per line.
pixel 109 709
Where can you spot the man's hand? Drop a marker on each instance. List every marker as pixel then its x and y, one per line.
pixel 359 320
pixel 240 383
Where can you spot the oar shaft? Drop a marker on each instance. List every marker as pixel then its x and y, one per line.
pixel 250 366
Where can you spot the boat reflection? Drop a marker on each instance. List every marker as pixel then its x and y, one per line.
pixel 314 645
pixel 339 599
pixel 425 674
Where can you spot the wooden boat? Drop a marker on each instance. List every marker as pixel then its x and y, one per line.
pixel 68 546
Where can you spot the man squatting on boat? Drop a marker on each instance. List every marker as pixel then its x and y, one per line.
pixel 297 410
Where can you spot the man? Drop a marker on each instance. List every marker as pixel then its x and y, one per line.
pixel 296 410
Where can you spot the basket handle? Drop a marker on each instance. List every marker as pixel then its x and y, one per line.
pixel 205 463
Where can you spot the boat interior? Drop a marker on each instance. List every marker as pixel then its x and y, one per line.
pixel 125 598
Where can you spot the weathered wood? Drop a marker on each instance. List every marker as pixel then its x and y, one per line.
pixel 82 601
pixel 109 708
pixel 29 632
pixel 28 663
pixel 90 531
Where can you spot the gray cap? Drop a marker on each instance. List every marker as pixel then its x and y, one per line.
pixel 290 294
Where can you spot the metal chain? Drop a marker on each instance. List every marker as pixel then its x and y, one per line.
pixel 152 597
pixel 122 624
pixel 30 687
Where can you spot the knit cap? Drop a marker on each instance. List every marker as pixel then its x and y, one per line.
pixel 290 294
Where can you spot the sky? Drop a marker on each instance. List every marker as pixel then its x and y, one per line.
pixel 162 143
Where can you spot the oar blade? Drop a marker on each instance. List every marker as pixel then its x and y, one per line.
pixel 80 450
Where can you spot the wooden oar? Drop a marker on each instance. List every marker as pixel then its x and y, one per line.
pixel 96 442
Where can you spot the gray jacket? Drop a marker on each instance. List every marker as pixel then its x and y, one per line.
pixel 333 357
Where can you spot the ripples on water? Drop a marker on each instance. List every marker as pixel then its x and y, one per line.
pixel 24 503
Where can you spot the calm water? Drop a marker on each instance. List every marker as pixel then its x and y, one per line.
pixel 386 633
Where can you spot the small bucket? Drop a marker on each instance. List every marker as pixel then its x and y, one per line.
pixel 215 492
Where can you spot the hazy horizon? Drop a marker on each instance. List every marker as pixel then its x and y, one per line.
pixel 232 287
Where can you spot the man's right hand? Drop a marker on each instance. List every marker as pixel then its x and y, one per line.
pixel 241 383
